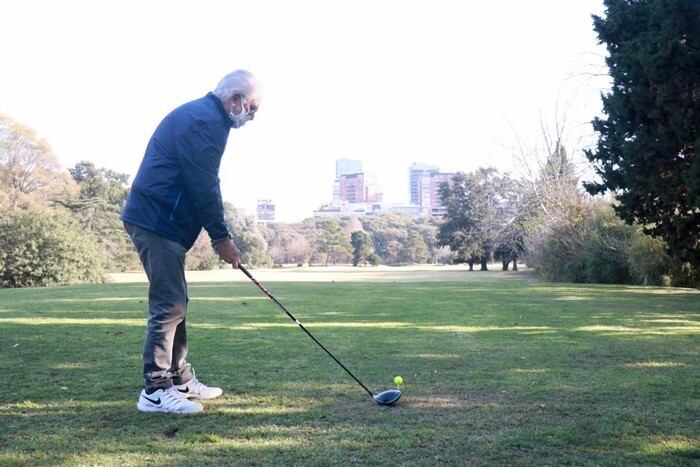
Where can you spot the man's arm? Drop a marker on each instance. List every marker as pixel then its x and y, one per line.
pixel 199 159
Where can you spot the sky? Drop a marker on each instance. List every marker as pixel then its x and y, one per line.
pixel 450 83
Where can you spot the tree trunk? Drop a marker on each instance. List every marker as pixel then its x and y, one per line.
pixel 515 264
pixel 483 265
pixel 505 265
pixel 471 265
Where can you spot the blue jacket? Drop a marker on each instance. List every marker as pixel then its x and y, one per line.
pixel 176 190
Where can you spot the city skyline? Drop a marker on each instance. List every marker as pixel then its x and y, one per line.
pixel 357 193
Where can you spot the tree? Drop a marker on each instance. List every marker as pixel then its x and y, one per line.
pixel 41 247
pixel 416 250
pixel 648 151
pixel 556 214
pixel 478 209
pixel 287 245
pixel 333 242
pixel 29 171
pixel 362 247
pixel 460 229
pixel 202 257
pixel 247 237
pixel 100 198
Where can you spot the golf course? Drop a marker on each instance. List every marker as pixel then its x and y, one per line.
pixel 498 368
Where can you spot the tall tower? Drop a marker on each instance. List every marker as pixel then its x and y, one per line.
pixel 265 210
pixel 416 171
pixel 429 193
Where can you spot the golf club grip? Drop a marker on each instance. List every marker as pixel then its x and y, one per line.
pixel 291 316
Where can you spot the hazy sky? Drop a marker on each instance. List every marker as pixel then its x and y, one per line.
pixel 387 82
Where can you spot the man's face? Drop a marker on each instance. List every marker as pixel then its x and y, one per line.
pixel 240 104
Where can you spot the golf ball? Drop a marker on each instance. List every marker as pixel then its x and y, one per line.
pixel 398 380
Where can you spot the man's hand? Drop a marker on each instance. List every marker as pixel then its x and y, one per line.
pixel 227 251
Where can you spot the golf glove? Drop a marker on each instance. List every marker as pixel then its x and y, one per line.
pixel 227 251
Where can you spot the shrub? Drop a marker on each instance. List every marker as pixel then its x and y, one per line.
pixel 374 259
pixel 39 247
pixel 606 247
pixel 599 247
pixel 201 256
pixel 555 245
pixel 648 262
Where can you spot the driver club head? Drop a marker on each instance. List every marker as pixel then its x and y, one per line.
pixel 387 397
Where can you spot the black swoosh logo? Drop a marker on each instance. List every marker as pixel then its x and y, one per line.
pixel 187 389
pixel 156 402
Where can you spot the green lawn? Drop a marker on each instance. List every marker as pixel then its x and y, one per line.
pixel 495 371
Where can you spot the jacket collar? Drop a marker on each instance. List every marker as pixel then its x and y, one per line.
pixel 220 106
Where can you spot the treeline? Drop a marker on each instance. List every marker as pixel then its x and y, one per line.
pixel 61 226
pixel 392 239
pixel 554 226
pixel 56 226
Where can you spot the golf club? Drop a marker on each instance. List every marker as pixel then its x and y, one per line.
pixel 388 397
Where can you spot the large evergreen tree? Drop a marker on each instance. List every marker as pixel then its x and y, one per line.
pixel 649 142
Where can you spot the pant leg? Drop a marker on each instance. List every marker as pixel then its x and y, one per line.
pixel 181 371
pixel 166 337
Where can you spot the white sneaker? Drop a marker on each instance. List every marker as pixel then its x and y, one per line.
pixel 167 400
pixel 193 389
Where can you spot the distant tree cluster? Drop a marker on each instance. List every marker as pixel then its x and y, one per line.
pixel 560 231
pixel 391 239
pixel 484 219
pixel 41 241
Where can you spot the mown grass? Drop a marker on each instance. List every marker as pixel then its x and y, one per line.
pixel 496 372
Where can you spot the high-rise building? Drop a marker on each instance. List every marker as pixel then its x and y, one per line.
pixel 344 168
pixel 352 188
pixel 352 185
pixel 429 193
pixel 265 210
pixel 347 167
pixel 357 188
pixel 416 171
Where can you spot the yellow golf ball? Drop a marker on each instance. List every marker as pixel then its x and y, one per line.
pixel 398 380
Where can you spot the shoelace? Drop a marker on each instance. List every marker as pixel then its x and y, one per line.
pixel 172 400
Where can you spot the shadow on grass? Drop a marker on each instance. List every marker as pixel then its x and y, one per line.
pixel 495 374
pixel 439 427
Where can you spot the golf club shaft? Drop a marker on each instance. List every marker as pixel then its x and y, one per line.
pixel 264 290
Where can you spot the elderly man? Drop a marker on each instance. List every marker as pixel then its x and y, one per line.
pixel 175 193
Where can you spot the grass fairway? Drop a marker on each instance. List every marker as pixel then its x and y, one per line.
pixel 495 371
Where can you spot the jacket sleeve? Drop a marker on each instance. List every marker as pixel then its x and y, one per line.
pixel 199 158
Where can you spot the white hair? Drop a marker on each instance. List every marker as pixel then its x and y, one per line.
pixel 238 82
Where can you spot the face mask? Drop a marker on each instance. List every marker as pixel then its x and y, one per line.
pixel 243 117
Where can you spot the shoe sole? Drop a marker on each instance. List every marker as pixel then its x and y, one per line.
pixel 198 397
pixel 150 408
